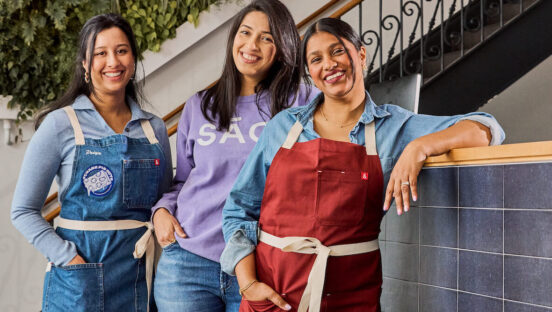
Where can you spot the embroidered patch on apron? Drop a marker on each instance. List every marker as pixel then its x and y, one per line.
pixel 98 180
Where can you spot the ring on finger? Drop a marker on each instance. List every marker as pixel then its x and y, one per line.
pixel 405 183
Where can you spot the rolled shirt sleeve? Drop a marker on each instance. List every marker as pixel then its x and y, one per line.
pixel 243 206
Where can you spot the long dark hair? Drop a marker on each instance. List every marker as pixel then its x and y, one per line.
pixel 87 41
pixel 339 29
pixel 282 80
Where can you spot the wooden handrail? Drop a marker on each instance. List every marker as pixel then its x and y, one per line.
pixel 172 130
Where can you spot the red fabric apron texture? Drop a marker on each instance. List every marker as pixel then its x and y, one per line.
pixel 332 191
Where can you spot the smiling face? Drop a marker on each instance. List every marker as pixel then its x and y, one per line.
pixel 112 62
pixel 254 50
pixel 330 67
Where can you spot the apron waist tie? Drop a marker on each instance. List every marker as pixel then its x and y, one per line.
pixel 312 296
pixel 145 245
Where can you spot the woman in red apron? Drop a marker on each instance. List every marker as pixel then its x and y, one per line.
pixel 316 239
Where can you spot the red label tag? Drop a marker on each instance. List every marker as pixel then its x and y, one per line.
pixel 364 175
pixel 156 162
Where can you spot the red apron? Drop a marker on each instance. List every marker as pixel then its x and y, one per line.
pixel 322 193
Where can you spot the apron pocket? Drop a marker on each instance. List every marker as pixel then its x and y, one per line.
pixel 75 288
pixel 259 306
pixel 140 182
pixel 340 197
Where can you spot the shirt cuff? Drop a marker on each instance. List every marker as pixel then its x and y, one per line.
pixel 497 134
pixel 238 247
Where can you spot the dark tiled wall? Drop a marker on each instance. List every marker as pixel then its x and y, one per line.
pixel 479 239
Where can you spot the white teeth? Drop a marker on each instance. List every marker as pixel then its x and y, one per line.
pixel 113 74
pixel 334 76
pixel 249 57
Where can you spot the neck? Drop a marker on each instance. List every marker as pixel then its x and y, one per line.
pixel 344 110
pixel 248 86
pixel 110 104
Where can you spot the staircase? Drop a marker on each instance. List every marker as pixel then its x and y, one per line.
pixel 481 48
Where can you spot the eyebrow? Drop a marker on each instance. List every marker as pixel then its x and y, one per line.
pixel 119 45
pixel 249 27
pixel 331 47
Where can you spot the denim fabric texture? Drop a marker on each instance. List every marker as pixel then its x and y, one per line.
pixel 395 128
pixel 114 178
pixel 186 282
pixel 51 154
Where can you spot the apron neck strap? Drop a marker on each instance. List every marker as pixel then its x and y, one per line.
pixel 148 131
pixel 370 138
pixel 79 137
pixel 293 135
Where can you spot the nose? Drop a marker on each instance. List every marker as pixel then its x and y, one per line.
pixel 329 64
pixel 112 60
pixel 252 43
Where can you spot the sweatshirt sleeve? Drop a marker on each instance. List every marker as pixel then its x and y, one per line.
pixel 40 165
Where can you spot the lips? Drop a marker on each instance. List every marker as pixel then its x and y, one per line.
pixel 249 58
pixel 114 75
pixel 334 76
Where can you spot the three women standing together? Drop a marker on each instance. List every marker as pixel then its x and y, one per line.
pixel 317 171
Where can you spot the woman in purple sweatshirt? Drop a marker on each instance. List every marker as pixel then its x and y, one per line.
pixel 217 130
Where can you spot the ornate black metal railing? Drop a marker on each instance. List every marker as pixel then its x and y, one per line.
pixel 439 33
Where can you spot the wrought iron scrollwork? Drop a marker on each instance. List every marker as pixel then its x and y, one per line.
pixel 387 24
pixel 367 40
pixel 412 63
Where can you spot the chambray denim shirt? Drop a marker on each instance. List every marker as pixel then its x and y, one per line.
pixel 395 128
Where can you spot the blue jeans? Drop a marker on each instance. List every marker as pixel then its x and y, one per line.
pixel 187 282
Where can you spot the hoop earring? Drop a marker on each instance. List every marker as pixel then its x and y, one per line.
pixel 86 77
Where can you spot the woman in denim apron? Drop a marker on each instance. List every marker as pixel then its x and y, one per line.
pixel 112 163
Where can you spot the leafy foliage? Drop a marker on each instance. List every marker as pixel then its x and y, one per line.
pixel 38 40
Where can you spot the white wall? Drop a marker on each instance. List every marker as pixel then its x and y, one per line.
pixel 525 109
pixel 21 266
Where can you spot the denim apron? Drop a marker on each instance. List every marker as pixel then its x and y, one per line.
pixel 105 212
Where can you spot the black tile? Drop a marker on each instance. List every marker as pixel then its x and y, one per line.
pixel 403 228
pixel 438 187
pixel 399 296
pixel 438 266
pixel 528 233
pixel 474 303
pixel 518 307
pixel 480 273
pixel 481 229
pixel 401 261
pixel 438 226
pixel 528 186
pixel 528 280
pixel 481 186
pixel 433 299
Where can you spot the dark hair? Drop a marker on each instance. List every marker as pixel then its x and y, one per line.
pixel 282 79
pixel 339 29
pixel 87 41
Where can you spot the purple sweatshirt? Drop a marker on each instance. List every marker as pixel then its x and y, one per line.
pixel 208 162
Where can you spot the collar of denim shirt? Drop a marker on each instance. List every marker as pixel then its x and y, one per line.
pixel 82 102
pixel 305 114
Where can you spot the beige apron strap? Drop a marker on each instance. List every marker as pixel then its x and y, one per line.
pixel 293 135
pixel 148 131
pixel 312 296
pixel 144 245
pixel 370 138
pixel 79 137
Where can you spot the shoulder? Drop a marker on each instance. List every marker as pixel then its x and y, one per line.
pixel 284 119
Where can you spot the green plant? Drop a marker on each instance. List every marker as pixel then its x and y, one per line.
pixel 38 40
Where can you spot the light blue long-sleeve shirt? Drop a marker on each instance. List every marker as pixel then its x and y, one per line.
pixel 50 154
pixel 395 128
